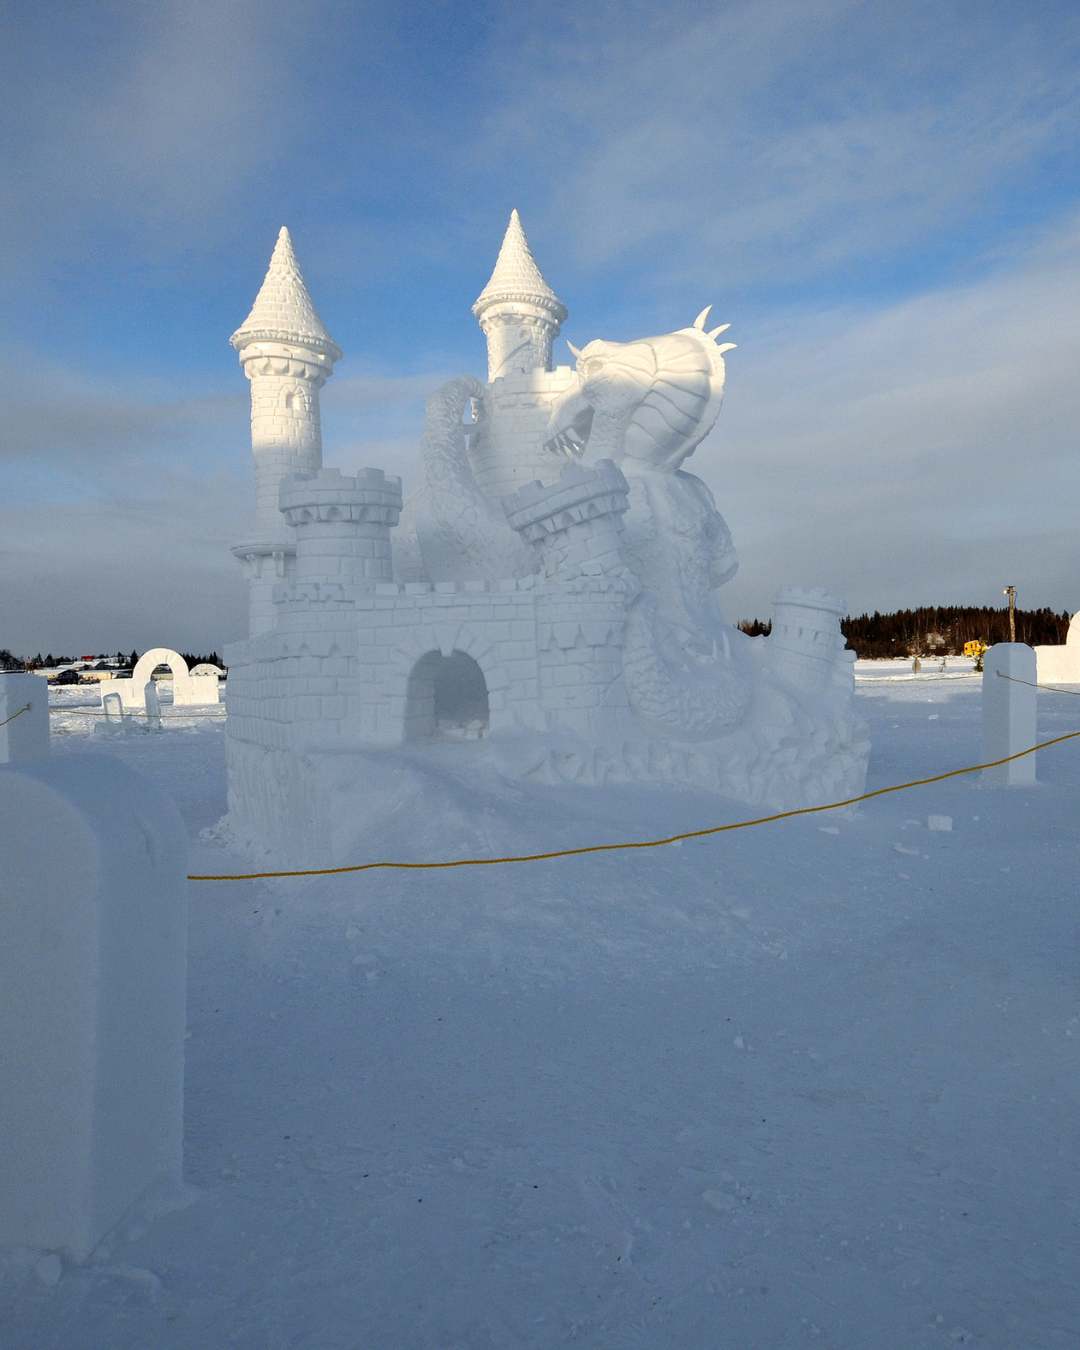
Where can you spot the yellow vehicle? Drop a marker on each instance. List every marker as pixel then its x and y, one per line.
pixel 978 650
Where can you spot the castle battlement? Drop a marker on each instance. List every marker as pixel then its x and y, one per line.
pixel 574 523
pixel 811 598
pixel 370 495
pixel 342 526
pixel 580 494
pixel 532 382
pixel 406 594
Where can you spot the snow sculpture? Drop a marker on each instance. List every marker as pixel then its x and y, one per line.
pixel 1061 664
pixel 549 588
pixel 187 691
pixel 93 933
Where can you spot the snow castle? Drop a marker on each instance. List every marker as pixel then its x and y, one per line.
pixel 548 589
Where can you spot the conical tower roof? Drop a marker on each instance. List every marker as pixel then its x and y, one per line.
pixel 516 275
pixel 283 311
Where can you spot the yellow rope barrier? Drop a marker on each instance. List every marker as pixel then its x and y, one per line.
pixel 639 843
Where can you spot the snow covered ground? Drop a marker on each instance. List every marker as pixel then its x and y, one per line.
pixel 813 1083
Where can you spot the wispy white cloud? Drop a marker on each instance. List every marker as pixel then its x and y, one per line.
pixel 152 123
pixel 132 571
pixel 918 453
pixel 896 449
pixel 762 142
pixel 122 500
pixel 101 427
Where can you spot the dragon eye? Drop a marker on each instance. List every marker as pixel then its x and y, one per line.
pixel 593 366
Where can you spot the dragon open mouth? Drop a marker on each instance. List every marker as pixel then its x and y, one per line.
pixel 569 425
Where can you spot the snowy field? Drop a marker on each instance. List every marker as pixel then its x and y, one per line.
pixel 809 1084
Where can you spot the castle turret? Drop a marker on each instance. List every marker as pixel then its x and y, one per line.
pixel 575 524
pixel 806 644
pixel 518 312
pixel 288 355
pixel 342 524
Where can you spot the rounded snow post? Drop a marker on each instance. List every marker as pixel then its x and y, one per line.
pixel 93 932
pixel 113 709
pixel 24 711
pixel 153 706
pixel 1009 721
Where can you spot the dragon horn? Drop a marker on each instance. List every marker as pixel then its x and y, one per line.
pixel 577 354
pixel 699 322
pixel 714 333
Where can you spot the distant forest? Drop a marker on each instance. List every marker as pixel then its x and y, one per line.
pixel 940 631
pixel 121 661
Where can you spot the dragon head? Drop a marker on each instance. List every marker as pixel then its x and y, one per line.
pixel 651 401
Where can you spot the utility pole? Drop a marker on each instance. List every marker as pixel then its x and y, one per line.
pixel 1010 591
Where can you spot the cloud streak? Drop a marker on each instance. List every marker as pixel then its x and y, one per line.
pixel 779 141
pixel 922 452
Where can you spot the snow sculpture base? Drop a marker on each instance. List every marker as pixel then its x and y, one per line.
pixel 364 669
pixel 93 931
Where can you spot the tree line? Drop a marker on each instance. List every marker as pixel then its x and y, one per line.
pixel 121 661
pixel 938 630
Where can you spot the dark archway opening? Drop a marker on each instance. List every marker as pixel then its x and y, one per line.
pixel 446 699
pixel 164 687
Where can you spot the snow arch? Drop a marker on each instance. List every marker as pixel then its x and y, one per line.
pixel 187 691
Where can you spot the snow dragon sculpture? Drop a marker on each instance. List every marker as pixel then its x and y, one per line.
pixel 647 405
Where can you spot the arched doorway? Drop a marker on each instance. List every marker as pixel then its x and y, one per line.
pixel 446 699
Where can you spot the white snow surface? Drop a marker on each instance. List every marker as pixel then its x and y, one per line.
pixel 814 1083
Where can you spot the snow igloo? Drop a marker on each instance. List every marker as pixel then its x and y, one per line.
pixel 546 595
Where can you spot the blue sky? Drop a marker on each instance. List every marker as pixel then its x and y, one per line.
pixel 882 198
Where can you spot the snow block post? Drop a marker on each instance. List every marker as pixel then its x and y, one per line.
pixel 1008 707
pixel 93 935
pixel 24 712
